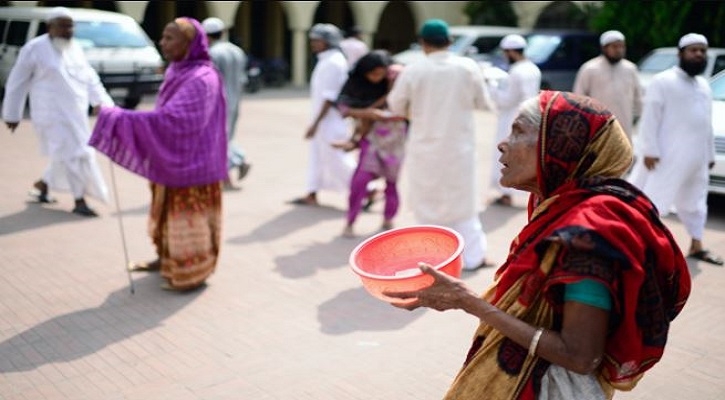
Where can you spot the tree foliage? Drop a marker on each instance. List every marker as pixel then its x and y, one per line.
pixel 651 24
pixel 491 12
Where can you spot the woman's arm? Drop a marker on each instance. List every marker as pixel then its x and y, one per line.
pixel 579 346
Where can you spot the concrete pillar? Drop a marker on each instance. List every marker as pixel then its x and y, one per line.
pixel 299 57
pixel 134 9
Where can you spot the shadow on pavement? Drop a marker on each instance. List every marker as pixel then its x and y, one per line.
pixel 72 336
pixel 496 216
pixel 328 255
pixel 297 217
pixel 336 315
pixel 35 216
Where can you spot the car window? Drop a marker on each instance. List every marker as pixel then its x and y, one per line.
pixel 718 88
pixel 487 44
pixel 17 33
pixel 657 62
pixel 109 34
pixel 540 47
pixel 3 25
pixel 457 43
pixel 719 64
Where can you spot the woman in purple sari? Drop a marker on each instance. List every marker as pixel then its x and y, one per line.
pixel 181 148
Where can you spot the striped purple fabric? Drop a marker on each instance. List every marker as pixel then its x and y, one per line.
pixel 182 142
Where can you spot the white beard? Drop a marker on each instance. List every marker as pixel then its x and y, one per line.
pixel 60 44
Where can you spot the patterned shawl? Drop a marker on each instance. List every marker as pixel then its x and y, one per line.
pixel 182 142
pixel 588 224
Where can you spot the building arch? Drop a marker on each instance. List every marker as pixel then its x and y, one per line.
pixel 159 13
pixel 562 15
pixel 396 28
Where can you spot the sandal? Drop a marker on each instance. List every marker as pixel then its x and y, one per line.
pixel 84 211
pixel 705 255
pixel 503 201
pixel 41 197
pixel 304 201
pixel 144 266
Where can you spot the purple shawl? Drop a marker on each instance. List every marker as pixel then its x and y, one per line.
pixel 182 142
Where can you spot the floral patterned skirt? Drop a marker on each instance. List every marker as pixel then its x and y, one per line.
pixel 185 226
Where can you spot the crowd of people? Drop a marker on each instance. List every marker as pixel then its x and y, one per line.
pixel 583 304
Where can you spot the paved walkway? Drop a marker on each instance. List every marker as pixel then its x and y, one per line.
pixel 282 318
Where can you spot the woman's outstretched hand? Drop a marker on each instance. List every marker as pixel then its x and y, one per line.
pixel 446 293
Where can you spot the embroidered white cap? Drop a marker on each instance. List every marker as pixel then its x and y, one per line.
pixel 690 39
pixel 513 42
pixel 610 37
pixel 212 25
pixel 58 12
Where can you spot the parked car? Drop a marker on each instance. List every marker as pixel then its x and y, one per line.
pixel 477 41
pixel 557 53
pixel 115 44
pixel 717 174
pixel 663 58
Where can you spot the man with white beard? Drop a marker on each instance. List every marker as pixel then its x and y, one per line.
pixel 677 143
pixel 53 70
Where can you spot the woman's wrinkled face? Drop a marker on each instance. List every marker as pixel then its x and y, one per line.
pixel 376 75
pixel 174 44
pixel 518 156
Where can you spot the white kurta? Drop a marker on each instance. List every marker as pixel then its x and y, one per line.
pixel 522 83
pixel 231 62
pixel 676 127
pixel 61 85
pixel 328 168
pixel 616 86
pixel 439 95
pixel 354 49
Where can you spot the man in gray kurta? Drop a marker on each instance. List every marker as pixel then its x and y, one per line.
pixel 231 62
pixel 612 80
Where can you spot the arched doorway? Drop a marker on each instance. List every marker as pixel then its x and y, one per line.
pixel 337 13
pixel 396 28
pixel 562 15
pixel 98 5
pixel 262 30
pixel 160 13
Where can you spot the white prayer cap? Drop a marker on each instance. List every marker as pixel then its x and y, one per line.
pixel 513 42
pixel 58 12
pixel 213 25
pixel 692 38
pixel 610 37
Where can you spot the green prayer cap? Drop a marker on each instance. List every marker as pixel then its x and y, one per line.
pixel 434 29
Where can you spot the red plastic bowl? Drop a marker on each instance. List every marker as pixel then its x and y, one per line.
pixel 389 260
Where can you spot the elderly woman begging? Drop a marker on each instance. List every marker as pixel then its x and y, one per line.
pixel 583 304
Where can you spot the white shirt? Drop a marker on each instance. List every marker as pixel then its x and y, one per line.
pixel 614 85
pixel 439 95
pixel 353 48
pixel 231 62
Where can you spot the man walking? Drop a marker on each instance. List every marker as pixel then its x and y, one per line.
pixel 53 70
pixel 439 95
pixel 231 62
pixel 328 168
pixel 612 80
pixel 678 143
pixel 523 82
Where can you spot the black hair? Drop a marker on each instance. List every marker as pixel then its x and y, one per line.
pixel 436 41
pixel 353 31
pixel 216 35
pixel 358 91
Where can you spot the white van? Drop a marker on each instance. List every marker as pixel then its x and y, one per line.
pixel 116 46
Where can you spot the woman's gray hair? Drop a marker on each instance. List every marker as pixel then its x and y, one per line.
pixel 530 113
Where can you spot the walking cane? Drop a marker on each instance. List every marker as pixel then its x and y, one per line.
pixel 120 225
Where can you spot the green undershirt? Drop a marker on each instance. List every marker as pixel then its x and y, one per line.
pixel 589 292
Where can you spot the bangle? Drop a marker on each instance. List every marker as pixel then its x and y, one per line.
pixel 535 341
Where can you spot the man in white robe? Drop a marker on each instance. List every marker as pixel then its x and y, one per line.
pixel 53 70
pixel 329 168
pixel 612 80
pixel 677 142
pixel 231 61
pixel 523 82
pixel 439 95
pixel 353 46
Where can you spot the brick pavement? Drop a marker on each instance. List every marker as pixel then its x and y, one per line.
pixel 282 318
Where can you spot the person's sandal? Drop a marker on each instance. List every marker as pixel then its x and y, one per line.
pixel 706 256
